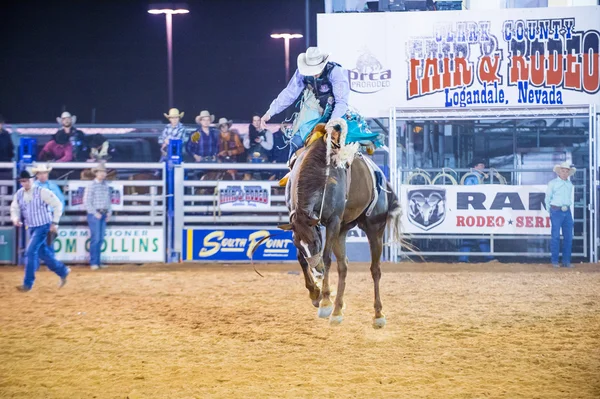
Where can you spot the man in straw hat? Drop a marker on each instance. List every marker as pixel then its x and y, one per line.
pixel 41 173
pixel 203 144
pixel 98 207
pixel 174 130
pixel 559 199
pixel 325 89
pixel 31 207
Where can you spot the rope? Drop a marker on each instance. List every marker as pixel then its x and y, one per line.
pixel 418 172
pixel 445 174
pixel 327 170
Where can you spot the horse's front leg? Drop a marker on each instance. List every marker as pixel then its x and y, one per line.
pixel 339 249
pixel 332 230
pixel 313 290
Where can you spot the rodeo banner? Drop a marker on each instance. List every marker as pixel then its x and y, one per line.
pixel 481 209
pixel 467 59
pixel 237 245
pixel 243 196
pixel 121 245
pixel 77 191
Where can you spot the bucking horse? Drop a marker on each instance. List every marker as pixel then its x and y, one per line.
pixel 334 186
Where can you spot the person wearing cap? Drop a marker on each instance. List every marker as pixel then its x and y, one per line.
pixel 203 144
pixel 7 147
pixel 559 199
pixel 476 177
pixel 96 200
pixel 41 173
pixel 100 149
pixel 75 136
pixel 174 130
pixel 31 207
pixel 325 89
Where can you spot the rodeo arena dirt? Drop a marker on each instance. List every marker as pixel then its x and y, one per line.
pixel 443 243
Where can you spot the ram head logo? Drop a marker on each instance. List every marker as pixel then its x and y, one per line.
pixel 426 207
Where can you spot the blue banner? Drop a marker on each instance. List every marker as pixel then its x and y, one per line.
pixel 237 245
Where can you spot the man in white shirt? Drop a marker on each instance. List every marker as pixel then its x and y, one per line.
pixel 31 207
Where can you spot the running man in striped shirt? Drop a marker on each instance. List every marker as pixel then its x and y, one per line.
pixel 31 207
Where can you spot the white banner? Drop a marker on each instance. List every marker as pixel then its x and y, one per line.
pixel 243 196
pixel 481 209
pixel 77 191
pixel 467 59
pixel 121 244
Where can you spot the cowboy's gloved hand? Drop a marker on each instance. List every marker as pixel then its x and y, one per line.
pixel 263 121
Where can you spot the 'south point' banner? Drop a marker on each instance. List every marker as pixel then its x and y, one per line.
pixel 467 59
pixel 481 209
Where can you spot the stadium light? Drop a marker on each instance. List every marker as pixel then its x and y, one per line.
pixel 169 9
pixel 287 37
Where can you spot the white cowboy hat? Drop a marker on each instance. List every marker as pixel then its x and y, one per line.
pixel 204 114
pixel 312 62
pixel 225 121
pixel 66 115
pixel 565 165
pixel 100 168
pixel 174 113
pixel 43 168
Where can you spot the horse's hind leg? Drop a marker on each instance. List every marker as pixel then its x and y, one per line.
pixel 339 250
pixel 332 231
pixel 313 291
pixel 375 236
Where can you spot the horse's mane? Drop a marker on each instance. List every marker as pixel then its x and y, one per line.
pixel 311 180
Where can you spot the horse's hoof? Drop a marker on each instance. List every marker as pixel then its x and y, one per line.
pixel 336 320
pixel 325 312
pixel 315 303
pixel 379 322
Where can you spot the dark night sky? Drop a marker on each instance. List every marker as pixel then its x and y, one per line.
pixel 111 55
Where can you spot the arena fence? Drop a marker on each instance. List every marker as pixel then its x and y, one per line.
pixel 7 232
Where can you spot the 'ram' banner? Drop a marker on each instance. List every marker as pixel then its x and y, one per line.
pixel 482 209
pixel 243 196
pixel 467 59
pixel 237 245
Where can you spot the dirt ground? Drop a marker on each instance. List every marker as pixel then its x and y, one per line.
pixel 221 331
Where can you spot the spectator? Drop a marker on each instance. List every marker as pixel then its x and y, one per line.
pixel 279 152
pixel 7 148
pixel 204 143
pixel 100 149
pixel 230 145
pixel 174 130
pixel 478 166
pixel 258 141
pixel 76 136
pixel 30 206
pixel 98 207
pixel 41 173
pixel 559 199
pixel 58 149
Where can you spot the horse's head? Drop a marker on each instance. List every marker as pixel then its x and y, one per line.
pixel 307 236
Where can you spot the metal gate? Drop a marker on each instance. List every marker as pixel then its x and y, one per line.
pixel 397 161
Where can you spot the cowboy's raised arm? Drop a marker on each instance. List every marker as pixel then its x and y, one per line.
pixel 341 91
pixel 287 95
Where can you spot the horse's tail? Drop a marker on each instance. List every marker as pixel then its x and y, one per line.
pixel 394 216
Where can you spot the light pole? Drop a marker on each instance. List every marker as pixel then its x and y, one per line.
pixel 286 37
pixel 169 9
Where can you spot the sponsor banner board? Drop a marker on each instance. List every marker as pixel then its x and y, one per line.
pixel 121 244
pixel 7 245
pixel 237 245
pixel 535 57
pixel 481 209
pixel 243 196
pixel 77 191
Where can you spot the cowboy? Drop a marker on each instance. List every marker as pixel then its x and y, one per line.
pixel 100 149
pixel 559 199
pixel 7 147
pixel 76 137
pixel 204 142
pixel 476 177
pixel 325 88
pixel 31 207
pixel 98 207
pixel 174 130
pixel 230 144
pixel 41 173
